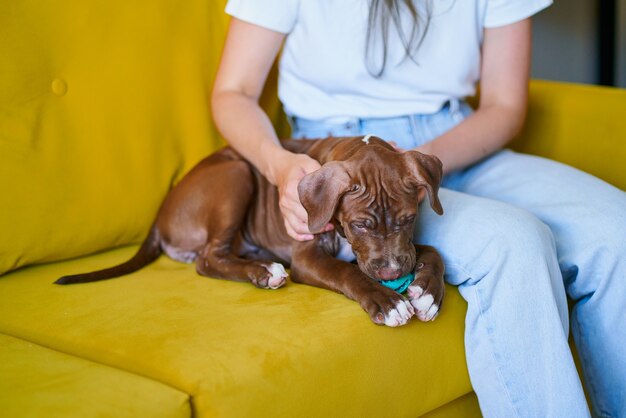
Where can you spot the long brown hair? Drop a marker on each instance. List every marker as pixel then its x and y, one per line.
pixel 383 14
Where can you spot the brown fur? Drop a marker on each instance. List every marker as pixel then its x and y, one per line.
pixel 224 215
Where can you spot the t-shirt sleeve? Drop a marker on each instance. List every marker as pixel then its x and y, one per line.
pixel 504 12
pixel 277 15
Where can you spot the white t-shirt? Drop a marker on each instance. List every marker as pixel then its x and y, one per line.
pixel 323 72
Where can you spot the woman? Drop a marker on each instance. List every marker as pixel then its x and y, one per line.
pixel 519 231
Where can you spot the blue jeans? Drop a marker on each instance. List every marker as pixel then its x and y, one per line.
pixel 520 233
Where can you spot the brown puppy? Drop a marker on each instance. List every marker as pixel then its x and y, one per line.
pixel 224 216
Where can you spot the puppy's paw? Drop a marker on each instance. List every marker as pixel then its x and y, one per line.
pixel 424 303
pixel 426 294
pixel 269 276
pixel 278 275
pixel 386 307
pixel 400 314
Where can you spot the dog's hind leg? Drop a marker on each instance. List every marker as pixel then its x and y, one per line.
pixel 219 257
pixel 219 262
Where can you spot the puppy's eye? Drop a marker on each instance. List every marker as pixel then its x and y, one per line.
pixel 363 225
pixel 355 188
pixel 406 220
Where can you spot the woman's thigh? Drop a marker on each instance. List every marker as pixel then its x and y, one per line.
pixel 475 232
pixel 495 252
pixel 584 213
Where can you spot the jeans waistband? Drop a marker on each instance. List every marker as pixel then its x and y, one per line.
pixel 452 105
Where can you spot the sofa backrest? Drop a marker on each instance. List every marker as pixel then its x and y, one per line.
pixel 103 106
pixel 580 125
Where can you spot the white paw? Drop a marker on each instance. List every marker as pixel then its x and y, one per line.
pixel 425 308
pixel 400 314
pixel 279 275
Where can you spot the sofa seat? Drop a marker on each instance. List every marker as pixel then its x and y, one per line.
pixel 238 351
pixel 40 382
pixel 104 105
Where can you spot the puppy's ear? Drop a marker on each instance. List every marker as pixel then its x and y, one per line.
pixel 427 172
pixel 320 192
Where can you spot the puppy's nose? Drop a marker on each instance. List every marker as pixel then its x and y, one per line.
pixel 388 273
pixel 386 270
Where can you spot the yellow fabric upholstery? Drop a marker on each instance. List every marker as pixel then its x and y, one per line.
pixel 238 350
pixel 463 407
pixel 583 126
pixel 103 106
pixel 38 382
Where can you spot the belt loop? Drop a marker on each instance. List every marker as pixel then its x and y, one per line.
pixel 414 128
pixel 454 105
pixel 292 121
pixel 455 110
pixel 354 123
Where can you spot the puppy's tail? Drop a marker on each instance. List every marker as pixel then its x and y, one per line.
pixel 148 252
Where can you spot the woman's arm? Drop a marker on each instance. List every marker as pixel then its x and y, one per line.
pixel 247 59
pixel 503 98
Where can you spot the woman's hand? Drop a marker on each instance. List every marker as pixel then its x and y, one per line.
pixel 286 175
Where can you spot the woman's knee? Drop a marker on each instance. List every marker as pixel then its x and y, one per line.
pixel 503 251
pixel 518 245
pixel 592 257
pixel 484 233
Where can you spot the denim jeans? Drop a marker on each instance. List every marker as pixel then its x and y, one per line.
pixel 519 234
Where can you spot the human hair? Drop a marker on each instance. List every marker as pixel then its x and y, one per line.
pixel 382 15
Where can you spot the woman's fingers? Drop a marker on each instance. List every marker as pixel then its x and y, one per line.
pixel 294 214
pixel 295 235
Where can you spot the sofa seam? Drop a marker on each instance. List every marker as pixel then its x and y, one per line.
pixel 450 401
pixel 170 386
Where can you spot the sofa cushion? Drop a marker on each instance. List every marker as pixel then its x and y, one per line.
pixel 103 105
pixel 570 123
pixel 38 382
pixel 239 350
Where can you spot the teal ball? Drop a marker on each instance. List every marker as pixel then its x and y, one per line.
pixel 400 284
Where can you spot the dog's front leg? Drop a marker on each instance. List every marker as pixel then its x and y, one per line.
pixel 427 289
pixel 313 265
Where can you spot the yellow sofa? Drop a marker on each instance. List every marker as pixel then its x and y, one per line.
pixel 103 106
